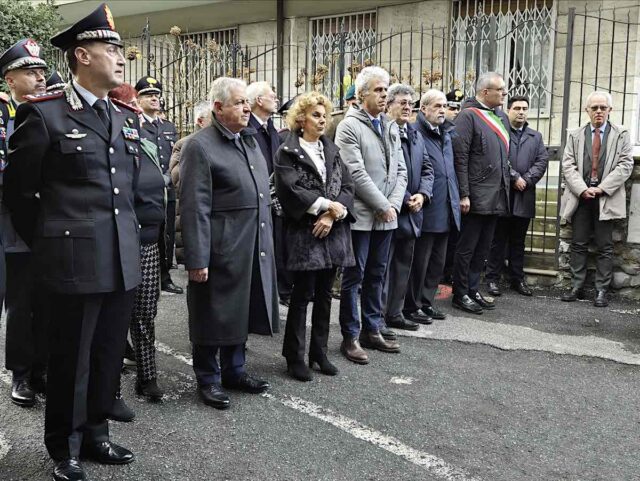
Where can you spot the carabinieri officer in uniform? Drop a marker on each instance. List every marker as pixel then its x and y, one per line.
pixel 73 165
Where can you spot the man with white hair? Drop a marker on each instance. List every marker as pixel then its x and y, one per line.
pixel 400 99
pixel 264 103
pixel 481 148
pixel 441 217
pixel 370 146
pixel 596 163
pixel 225 212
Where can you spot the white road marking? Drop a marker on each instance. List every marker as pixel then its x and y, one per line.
pixel 4 445
pixel 164 349
pixel 5 377
pixel 433 464
pixel 401 380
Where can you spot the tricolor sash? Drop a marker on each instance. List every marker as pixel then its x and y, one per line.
pixel 494 123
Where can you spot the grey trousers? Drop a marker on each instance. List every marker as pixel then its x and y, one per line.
pixel 585 223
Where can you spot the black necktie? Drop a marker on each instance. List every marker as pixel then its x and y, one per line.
pixel 100 106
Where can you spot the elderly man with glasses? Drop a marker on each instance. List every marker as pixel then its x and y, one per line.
pixel 596 163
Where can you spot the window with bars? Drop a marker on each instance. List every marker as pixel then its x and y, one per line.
pixel 339 44
pixel 512 37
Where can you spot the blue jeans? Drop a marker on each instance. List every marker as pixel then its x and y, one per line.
pixel 207 369
pixel 371 250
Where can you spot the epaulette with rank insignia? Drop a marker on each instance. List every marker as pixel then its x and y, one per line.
pixel 44 96
pixel 120 103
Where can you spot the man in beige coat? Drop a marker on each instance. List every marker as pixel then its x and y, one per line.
pixel 596 163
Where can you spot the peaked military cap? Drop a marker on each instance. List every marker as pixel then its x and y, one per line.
pixel 287 105
pixel 55 82
pixel 24 53
pixel 455 97
pixel 98 25
pixel 148 86
pixel 351 93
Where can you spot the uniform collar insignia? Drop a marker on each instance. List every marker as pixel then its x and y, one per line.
pixel 73 99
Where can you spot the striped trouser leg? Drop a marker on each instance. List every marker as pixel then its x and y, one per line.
pixel 144 313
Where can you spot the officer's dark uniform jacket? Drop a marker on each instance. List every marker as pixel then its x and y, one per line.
pixel 10 239
pixel 164 135
pixel 70 188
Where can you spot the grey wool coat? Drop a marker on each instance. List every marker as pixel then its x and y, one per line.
pixel 376 165
pixel 298 186
pixel 225 211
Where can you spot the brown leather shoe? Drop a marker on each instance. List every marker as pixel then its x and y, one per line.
pixel 374 340
pixel 351 349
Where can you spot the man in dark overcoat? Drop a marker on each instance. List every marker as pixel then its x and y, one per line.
pixel 528 158
pixel 417 195
pixel 440 218
pixel 73 164
pixel 163 134
pixel 225 210
pixel 264 103
pixel 26 353
pixel 481 149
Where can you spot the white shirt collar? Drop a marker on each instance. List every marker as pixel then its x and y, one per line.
pixel 148 118
pixel 603 127
pixel 371 117
pixel 485 106
pixel 260 121
pixel 88 96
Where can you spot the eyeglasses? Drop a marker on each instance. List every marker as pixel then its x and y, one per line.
pixel 595 108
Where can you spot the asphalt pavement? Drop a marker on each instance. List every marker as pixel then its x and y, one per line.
pixel 535 390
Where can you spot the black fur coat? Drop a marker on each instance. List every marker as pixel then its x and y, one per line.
pixel 298 184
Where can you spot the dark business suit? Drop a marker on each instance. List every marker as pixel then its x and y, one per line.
pixel 419 181
pixel 163 134
pixel 69 186
pixel 528 158
pixel 4 153
pixel 268 140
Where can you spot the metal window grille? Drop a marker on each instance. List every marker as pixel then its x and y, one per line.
pixel 349 37
pixel 513 37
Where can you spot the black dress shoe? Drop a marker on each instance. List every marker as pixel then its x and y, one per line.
pixel 482 301
pixel 169 286
pixel 22 394
pixel 298 370
pixel 323 363
pixel 246 383
pixel 494 289
pixel 120 412
pixel 419 317
pixel 521 287
pixel 387 333
pixel 213 395
pixel 68 470
pixel 434 313
pixel 401 323
pixel 573 295
pixel 150 390
pixel 601 299
pixel 107 453
pixel 465 303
